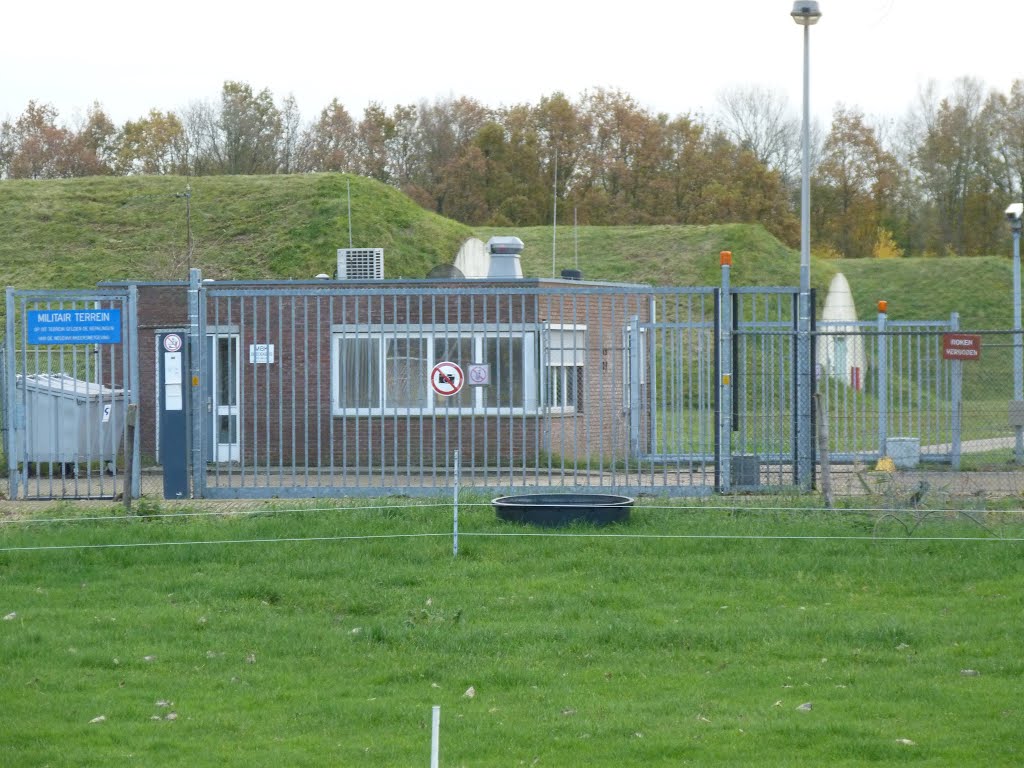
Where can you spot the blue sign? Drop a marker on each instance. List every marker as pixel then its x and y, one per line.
pixel 74 326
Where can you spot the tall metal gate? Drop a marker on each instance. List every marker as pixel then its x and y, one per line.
pixel 71 368
pixel 763 444
pixel 327 389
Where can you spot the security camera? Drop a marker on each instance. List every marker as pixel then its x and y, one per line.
pixel 1014 212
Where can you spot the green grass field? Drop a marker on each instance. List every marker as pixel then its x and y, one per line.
pixel 689 636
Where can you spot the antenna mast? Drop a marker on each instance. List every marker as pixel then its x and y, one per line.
pixel 348 186
pixel 554 216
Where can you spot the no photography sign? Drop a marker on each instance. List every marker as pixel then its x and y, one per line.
pixel 446 379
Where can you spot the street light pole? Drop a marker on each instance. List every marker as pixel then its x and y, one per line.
pixel 805 13
pixel 1013 216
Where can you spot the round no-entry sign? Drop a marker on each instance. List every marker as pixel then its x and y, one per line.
pixel 446 379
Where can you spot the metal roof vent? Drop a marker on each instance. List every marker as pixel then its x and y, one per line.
pixel 505 257
pixel 360 263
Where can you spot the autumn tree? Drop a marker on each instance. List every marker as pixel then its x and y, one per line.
pixel 251 129
pixel 93 145
pixel 449 159
pixel 330 143
pixel 954 159
pixel 34 146
pixel 154 144
pixel 375 130
pixel 852 186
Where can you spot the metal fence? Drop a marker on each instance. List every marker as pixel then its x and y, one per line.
pixel 332 389
pixel 883 382
pixel 70 367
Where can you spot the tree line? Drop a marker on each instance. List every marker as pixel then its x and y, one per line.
pixel 935 182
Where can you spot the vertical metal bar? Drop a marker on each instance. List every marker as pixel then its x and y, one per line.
pixel 196 324
pixel 318 340
pixel 268 408
pixel 133 385
pixel 334 357
pixel 883 385
pixel 382 424
pixel 407 324
pixel 811 373
pixel 455 495
pixel 421 416
pixel 306 410
pixel 634 385
pixel 280 365
pixel 716 389
pixel 13 423
pixel 1018 351
pixel 956 396
pixel 725 384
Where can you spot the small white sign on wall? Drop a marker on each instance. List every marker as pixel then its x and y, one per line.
pixel 261 353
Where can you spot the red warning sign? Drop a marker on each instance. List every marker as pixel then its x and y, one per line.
pixel 446 379
pixel 961 346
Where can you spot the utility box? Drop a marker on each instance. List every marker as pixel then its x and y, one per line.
pixel 66 420
pixel 746 470
pixel 905 452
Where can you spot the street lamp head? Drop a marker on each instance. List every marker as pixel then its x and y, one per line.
pixel 1014 211
pixel 806 12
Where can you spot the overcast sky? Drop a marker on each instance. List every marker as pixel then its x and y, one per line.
pixel 673 57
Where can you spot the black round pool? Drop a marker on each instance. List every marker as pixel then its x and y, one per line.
pixel 554 509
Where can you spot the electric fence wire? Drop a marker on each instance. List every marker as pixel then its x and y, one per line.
pixel 730 508
pixel 514 534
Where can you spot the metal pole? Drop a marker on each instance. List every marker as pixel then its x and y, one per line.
pixel 725 373
pixel 195 403
pixel 348 188
pixel 554 215
pixel 956 395
pixel 455 522
pixel 435 737
pixel 803 384
pixel 883 381
pixel 134 386
pixel 805 178
pixel 12 389
pixel 1018 353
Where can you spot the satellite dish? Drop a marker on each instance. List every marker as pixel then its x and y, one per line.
pixel 445 271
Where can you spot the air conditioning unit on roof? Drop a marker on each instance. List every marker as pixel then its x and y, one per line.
pixel 360 263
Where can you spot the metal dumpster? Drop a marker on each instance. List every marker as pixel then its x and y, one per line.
pixel 67 420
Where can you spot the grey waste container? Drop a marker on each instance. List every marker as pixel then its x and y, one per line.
pixel 66 419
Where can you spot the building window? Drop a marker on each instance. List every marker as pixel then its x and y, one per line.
pixel 565 388
pixel 566 358
pixel 387 371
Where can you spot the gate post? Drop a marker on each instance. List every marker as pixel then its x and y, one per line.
pixel 195 401
pixel 725 363
pixel 883 379
pixel 956 395
pixel 804 427
pixel 12 395
pixel 134 385
pixel 634 386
